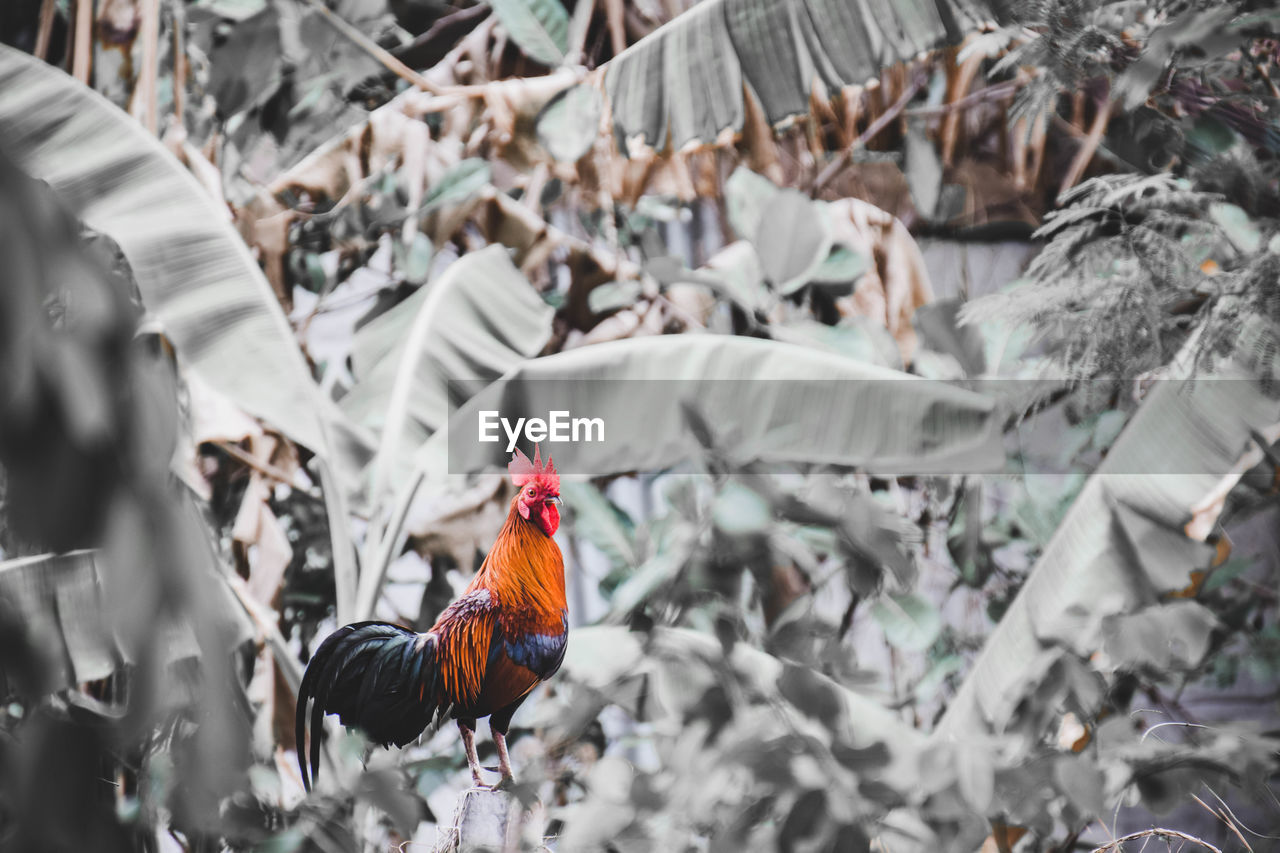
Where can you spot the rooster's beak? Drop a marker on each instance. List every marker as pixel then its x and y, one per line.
pixel 555 499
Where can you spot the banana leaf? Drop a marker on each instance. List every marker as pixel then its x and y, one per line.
pixel 686 80
pixel 754 399
pixel 1121 548
pixel 656 394
pixel 194 272
pixel 480 318
pixel 61 600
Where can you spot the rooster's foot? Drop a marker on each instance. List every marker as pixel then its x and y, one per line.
pixel 506 783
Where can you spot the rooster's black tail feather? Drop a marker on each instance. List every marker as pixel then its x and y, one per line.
pixel 378 677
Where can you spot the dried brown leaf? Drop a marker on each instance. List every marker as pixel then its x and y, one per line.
pixel 458 525
pixel 896 283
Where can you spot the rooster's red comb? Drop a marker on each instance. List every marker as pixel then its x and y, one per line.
pixel 523 471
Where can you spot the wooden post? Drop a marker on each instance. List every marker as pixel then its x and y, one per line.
pixel 484 822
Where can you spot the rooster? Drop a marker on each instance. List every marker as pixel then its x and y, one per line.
pixel 481 658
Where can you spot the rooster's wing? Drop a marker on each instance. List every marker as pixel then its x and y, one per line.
pixel 392 682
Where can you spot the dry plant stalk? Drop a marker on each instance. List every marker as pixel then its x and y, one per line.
pixel 851 99
pixel 758 140
pixel 1227 817
pixel 615 13
pixel 82 57
pixel 1154 833
pixel 144 107
pixel 1018 153
pixel 960 85
pixel 1083 157
pixel 179 63
pixel 578 26
pixel 45 32
pixel 1039 138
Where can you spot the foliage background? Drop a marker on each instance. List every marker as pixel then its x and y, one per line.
pixel 235 304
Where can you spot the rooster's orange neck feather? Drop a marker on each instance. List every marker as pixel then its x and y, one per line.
pixel 525 566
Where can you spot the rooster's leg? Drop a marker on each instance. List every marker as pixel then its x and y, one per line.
pixel 468 729
pixel 498 725
pixel 504 760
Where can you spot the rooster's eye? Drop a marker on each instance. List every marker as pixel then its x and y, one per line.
pixel 529 491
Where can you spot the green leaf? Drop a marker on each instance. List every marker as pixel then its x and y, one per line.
pixel 1083 782
pixel 1239 228
pixel 612 295
pixel 747 196
pixel 458 184
pixel 596 519
pixel 933 679
pixel 606 656
pixel 286 841
pixel 909 622
pixel 739 510
pixel 812 694
pixel 194 272
pixel 808 816
pixel 1108 427
pixel 539 27
pixel 856 337
pixel 569 124
pixel 385 789
pixel 1206 29
pixel 938 324
pixel 841 265
pixel 936 365
pixel 1226 573
pixel 1210 136
pixel 657 209
pixel 656 573
pixel 315 272
pixel 975 773
pixel 923 169
pixel 236 10
pixel 252 52
pixel 738 277
pixel 1173 636
pixel 792 240
pixel 415 261
pixel 1161 554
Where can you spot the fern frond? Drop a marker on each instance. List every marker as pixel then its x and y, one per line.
pixel 1120 260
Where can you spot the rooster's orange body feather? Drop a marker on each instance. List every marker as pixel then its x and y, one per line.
pixel 483 656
